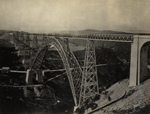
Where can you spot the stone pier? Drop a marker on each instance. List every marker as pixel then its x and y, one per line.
pixel 32 76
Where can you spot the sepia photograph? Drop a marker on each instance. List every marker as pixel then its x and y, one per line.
pixel 74 56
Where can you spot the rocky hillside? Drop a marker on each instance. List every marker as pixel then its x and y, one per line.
pixel 135 101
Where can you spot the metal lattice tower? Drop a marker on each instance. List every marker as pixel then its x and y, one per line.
pixel 21 37
pixel 27 51
pixel 35 42
pixel 26 48
pixel 89 88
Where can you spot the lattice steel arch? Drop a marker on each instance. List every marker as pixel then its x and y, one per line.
pixel 73 69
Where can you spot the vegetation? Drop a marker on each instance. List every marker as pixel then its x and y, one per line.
pixel 8 55
pixel 118 64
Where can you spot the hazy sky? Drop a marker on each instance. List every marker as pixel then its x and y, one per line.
pixel 58 15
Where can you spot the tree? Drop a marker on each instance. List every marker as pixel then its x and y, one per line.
pixel 8 57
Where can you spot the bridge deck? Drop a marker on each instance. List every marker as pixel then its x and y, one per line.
pixel 102 37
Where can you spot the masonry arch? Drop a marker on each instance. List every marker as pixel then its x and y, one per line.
pixel 139 59
pixel 144 61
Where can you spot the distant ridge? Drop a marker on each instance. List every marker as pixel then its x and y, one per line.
pixel 92 31
pixel 87 32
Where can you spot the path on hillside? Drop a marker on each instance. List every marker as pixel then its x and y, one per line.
pixel 136 98
pixel 116 92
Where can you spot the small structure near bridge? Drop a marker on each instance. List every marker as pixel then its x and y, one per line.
pixel 5 70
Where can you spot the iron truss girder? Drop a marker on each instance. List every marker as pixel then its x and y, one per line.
pixel 89 88
pixel 111 37
pixel 101 37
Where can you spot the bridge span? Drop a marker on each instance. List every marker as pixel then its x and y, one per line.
pixel 101 37
pixel 83 83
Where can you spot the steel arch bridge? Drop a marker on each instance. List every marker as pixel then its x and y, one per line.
pixel 79 83
pixel 84 84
